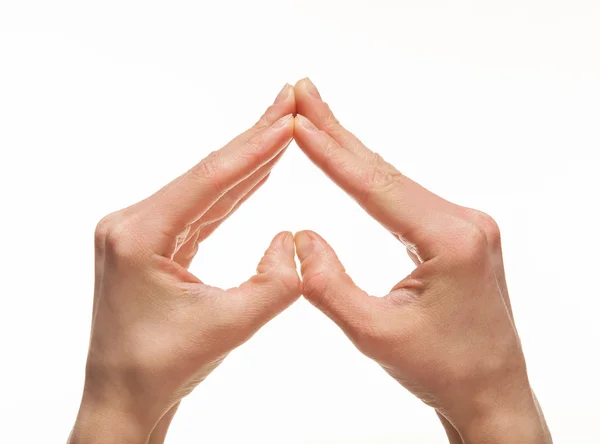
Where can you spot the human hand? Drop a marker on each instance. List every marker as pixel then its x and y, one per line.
pixel 446 331
pixel 157 330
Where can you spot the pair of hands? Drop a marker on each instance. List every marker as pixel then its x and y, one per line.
pixel 445 332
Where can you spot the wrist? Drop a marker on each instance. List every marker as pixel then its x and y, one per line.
pixel 506 426
pixel 107 424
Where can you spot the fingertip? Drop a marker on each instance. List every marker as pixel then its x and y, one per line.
pixel 311 88
pixel 279 240
pixel 289 98
pixel 304 244
pixel 301 95
pixel 288 242
pixel 285 94
pixel 315 237
pixel 280 251
pixel 307 86
pixel 305 123
pixel 289 249
pixel 284 104
pixel 310 104
pixel 286 122
pixel 285 241
pixel 292 99
pixel 299 83
pixel 310 139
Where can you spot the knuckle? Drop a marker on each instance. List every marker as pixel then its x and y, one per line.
pixel 253 152
pixel 474 239
pixel 105 228
pixel 102 229
pixel 377 159
pixel 330 148
pixel 330 121
pixel 115 237
pixel 488 225
pixel 208 169
pixel 469 245
pixel 382 180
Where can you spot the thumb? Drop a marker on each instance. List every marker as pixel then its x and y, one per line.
pixel 274 287
pixel 327 286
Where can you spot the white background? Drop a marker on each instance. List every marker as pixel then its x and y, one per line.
pixel 494 105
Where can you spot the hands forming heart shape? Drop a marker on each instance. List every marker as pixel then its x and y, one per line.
pixel 445 332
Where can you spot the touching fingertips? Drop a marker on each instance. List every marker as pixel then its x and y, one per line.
pixel 287 254
pixel 288 243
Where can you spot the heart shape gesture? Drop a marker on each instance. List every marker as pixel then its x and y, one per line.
pixel 445 332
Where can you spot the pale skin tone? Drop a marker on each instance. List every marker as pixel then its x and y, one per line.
pixel 445 332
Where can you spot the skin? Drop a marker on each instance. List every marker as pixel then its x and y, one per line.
pixel 157 330
pixel 445 332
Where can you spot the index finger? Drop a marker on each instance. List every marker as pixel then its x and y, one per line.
pixel 184 200
pixel 412 213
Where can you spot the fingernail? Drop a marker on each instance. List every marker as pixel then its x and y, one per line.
pixel 288 242
pixel 282 122
pixel 307 124
pixel 312 89
pixel 304 244
pixel 283 94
